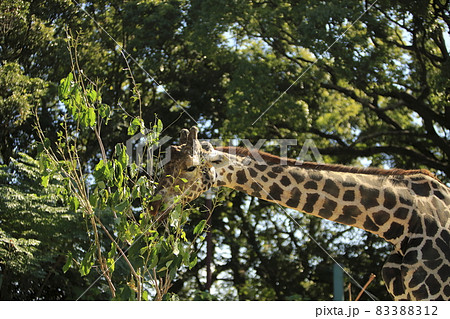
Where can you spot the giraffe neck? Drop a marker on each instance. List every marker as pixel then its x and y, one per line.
pixel 381 205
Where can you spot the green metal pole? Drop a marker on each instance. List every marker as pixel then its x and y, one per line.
pixel 338 283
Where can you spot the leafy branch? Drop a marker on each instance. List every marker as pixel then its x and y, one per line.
pixel 113 197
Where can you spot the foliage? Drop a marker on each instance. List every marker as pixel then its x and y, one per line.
pixel 36 231
pixel 267 253
pixel 368 80
pixel 19 94
pixel 113 200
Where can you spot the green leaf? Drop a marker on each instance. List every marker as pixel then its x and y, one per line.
pixel 200 226
pixel 110 262
pixel 158 127
pixel 92 95
pixel 135 126
pixel 174 266
pixel 87 262
pixel 108 173
pixel 44 163
pixel 135 193
pixel 73 203
pixel 115 198
pixel 186 256
pixel 104 111
pixel 122 206
pixel 153 258
pixel 64 87
pixel 118 173
pixel 193 263
pixel 91 116
pixel 101 185
pixel 99 165
pixel 121 153
pixel 131 130
pixel 161 270
pixel 44 180
pixel 118 150
pixel 102 171
pixel 84 119
pixel 156 197
pixel 68 262
pixel 93 199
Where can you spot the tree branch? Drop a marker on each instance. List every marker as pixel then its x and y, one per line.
pixel 364 102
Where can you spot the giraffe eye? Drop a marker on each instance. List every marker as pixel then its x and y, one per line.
pixel 190 169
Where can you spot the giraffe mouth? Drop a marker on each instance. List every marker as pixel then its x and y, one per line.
pixel 155 207
pixel 160 209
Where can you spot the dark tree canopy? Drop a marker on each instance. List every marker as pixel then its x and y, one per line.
pixel 366 83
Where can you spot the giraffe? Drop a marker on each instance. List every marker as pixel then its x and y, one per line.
pixel 408 208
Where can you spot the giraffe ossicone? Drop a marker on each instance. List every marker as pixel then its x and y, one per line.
pixel 408 208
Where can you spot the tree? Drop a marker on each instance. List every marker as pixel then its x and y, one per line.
pixel 367 80
pixel 19 95
pixel 115 200
pixel 36 232
pixel 360 80
pixel 29 53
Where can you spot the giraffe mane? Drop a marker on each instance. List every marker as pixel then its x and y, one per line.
pixel 273 159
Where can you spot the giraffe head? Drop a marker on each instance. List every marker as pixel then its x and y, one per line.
pixel 188 174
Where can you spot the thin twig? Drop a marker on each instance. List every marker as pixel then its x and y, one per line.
pixel 350 291
pixel 372 277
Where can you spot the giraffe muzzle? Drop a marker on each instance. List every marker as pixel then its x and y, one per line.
pixel 154 207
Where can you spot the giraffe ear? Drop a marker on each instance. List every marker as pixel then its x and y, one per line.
pixel 217 159
pixel 207 146
pixel 184 136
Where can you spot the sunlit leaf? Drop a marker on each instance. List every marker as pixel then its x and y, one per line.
pixel 92 95
pixel 193 263
pixel 68 262
pixel 64 86
pixel 91 116
pixel 200 226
